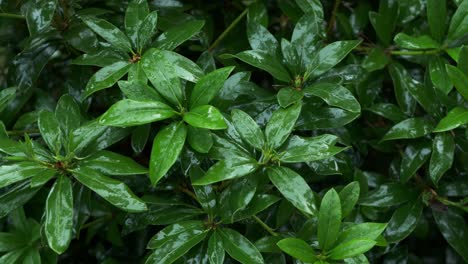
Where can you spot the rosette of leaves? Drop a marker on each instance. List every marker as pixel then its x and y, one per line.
pixel 246 150
pixel 303 66
pixel 337 240
pixel 74 153
pixel 123 51
pixel 191 116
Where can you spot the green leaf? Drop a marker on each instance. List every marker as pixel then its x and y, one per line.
pixel 19 171
pixel 263 60
pixel 10 242
pixel 42 178
pixel 109 32
pixel 376 60
pixel 58 225
pixel 129 112
pixel 299 149
pixel 209 86
pixel 236 197
pixel 215 249
pixel 351 248
pixel 349 196
pixel 205 116
pixel 200 139
pixel 414 157
pixel 239 247
pixel 111 163
pixel 288 96
pixel 307 32
pixel 146 30
pixel 458 78
pixel 258 204
pixel 389 195
pixel 280 125
pixel 106 77
pixel 15 197
pixel 330 56
pixel 334 95
pixel 167 146
pixel 248 129
pixel 369 231
pixel 443 149
pixel 139 91
pixel 50 130
pixel 113 191
pixel 136 12
pixel 459 23
pixel 232 168
pixel 174 241
pixel 261 39
pixel 404 220
pixel 415 43
pixel 329 220
pixel 409 128
pixel 454 229
pixel 385 20
pixel 100 58
pixel 6 95
pixel 294 188
pixel 32 256
pixel 139 137
pixel 39 15
pixel 68 114
pixel 436 12
pixel 298 249
pixel 401 80
pixel 389 111
pixel 291 58
pixel 458 116
pixel 439 75
pixel 177 35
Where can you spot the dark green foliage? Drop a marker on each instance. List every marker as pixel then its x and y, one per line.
pixel 267 131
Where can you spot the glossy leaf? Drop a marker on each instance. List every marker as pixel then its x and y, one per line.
pixel 288 96
pixel 39 15
pixel 136 12
pixel 443 149
pixel 414 156
pixel 369 231
pixel 294 188
pixel 239 247
pixel 146 30
pixel 167 146
pixel 404 220
pixel 19 171
pixel 228 169
pixel 298 249
pixel 334 95
pixel 128 112
pixel 329 220
pixel 299 149
pixel 280 125
pixel 177 35
pixel 106 77
pixel 260 39
pixel 111 163
pixel 401 81
pixel 115 192
pixel 415 43
pixel 351 248
pixel 436 12
pixel 200 139
pixel 109 32
pixel 330 56
pixel 349 196
pixel 215 249
pixel 68 114
pixel 459 23
pixel 59 215
pixel 205 116
pixel 50 131
pixel 454 229
pixel 208 86
pixel 248 129
pixel 389 195
pixel 409 128
pixel 265 61
pixel 458 78
pixel 439 75
pixel 458 116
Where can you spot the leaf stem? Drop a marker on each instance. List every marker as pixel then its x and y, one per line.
pixel 265 226
pixel 9 15
pixel 227 30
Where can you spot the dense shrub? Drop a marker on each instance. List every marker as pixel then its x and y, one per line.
pixel 274 131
